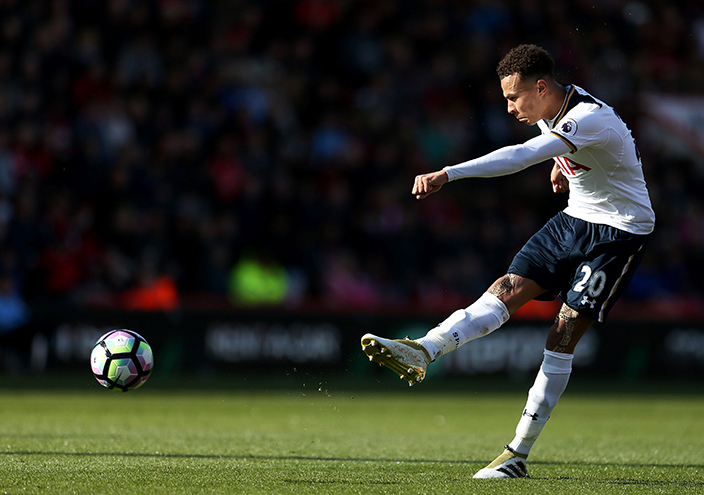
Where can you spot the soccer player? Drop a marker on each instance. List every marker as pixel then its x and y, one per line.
pixel 585 255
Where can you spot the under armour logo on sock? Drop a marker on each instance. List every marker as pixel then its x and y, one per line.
pixel 533 417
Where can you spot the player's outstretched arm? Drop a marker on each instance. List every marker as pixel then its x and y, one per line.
pixel 427 184
pixel 510 159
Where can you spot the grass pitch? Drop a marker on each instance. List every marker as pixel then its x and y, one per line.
pixel 317 440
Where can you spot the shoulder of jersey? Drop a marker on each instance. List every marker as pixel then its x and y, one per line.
pixel 579 104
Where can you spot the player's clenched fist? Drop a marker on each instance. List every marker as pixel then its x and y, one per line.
pixel 560 184
pixel 429 183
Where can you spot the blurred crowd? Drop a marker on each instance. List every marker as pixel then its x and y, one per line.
pixel 156 152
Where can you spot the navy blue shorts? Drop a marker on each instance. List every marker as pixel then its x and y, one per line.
pixel 587 266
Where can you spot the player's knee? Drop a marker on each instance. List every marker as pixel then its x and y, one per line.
pixel 504 285
pixel 567 314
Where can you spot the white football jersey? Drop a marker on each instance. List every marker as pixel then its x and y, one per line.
pixel 603 167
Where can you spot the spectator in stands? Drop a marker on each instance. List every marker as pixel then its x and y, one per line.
pixel 257 279
pixel 133 106
pixel 15 337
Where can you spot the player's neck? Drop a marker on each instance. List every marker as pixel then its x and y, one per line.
pixel 558 94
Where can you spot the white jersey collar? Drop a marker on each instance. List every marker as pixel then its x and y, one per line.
pixel 570 90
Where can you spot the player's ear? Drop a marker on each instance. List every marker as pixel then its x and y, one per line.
pixel 542 86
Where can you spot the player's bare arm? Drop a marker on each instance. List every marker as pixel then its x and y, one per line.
pixel 560 184
pixel 427 184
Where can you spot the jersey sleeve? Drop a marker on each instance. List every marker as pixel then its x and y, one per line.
pixel 582 126
pixel 510 159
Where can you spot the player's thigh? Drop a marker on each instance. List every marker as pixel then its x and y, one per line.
pixel 598 281
pixel 544 259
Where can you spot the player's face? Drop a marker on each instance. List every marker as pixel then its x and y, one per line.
pixel 524 99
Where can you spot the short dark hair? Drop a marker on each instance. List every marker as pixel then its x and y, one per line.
pixel 528 61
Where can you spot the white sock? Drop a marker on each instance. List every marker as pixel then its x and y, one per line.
pixel 542 398
pixel 481 318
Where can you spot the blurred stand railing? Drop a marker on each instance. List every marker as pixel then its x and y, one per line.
pixel 651 340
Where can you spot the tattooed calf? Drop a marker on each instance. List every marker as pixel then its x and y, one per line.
pixel 569 316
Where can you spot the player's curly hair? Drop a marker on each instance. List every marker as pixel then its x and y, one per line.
pixel 528 61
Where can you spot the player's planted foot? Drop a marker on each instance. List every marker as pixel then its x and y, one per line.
pixel 406 357
pixel 509 464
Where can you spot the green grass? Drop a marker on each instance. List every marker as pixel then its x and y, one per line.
pixel 310 440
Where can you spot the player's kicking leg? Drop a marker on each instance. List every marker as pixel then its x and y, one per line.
pixel 406 357
pixel 410 358
pixel 482 317
pixel 549 385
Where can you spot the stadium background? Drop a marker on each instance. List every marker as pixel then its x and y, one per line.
pixel 236 175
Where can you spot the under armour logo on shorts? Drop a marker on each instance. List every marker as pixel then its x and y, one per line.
pixel 585 300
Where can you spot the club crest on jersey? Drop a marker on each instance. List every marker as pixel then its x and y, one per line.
pixel 568 127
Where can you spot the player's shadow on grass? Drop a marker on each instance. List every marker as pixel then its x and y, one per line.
pixel 615 481
pixel 292 457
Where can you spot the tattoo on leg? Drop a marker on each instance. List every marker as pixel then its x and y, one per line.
pixel 566 313
pixel 504 285
pixel 569 316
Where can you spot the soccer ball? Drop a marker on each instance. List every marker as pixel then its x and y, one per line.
pixel 121 360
